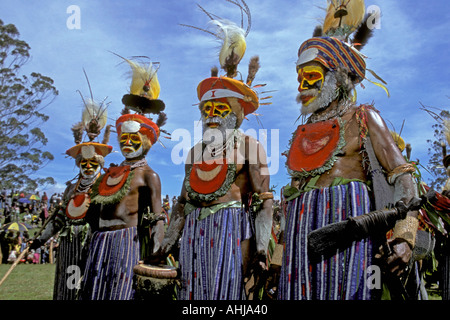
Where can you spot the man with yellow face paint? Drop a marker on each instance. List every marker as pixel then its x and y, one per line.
pixel 221 239
pixel 218 242
pixel 311 83
pixel 128 193
pixel 77 217
pixel 330 166
pixel 131 223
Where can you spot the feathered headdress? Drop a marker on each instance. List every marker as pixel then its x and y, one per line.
pixel 143 99
pixel 144 87
pixel 233 47
pixel 93 120
pixel 338 41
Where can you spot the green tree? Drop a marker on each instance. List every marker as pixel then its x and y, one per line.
pixel 22 99
pixel 435 150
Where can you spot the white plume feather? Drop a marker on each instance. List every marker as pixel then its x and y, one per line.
pixel 234 44
pixel 92 111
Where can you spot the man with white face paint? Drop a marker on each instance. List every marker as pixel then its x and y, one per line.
pixel 131 225
pixel 76 219
pixel 222 239
pixel 126 193
pixel 329 165
pixel 218 243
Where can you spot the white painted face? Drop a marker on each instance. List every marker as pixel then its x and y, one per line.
pixel 89 168
pixel 131 145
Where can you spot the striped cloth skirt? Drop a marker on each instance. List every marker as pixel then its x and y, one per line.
pixel 210 255
pixel 344 275
pixel 70 262
pixel 109 266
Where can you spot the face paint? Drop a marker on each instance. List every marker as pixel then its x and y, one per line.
pixel 89 167
pixel 323 98
pixel 130 145
pixel 214 108
pixel 311 79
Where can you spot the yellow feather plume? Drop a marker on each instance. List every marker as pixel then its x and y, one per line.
pixel 144 81
pixel 344 13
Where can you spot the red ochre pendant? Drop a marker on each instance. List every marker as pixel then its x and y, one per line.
pixel 208 177
pixel 78 206
pixel 113 180
pixel 313 145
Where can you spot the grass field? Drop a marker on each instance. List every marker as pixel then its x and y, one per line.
pixel 28 282
pixel 35 282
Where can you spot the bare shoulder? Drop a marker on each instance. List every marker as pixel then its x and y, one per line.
pixel 150 173
pixel 374 119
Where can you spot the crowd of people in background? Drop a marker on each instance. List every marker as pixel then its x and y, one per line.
pixel 30 210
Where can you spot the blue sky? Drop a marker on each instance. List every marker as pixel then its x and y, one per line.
pixel 410 51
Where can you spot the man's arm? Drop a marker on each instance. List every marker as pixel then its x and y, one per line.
pixel 154 183
pixel 177 217
pixel 260 183
pixel 391 159
pixel 399 175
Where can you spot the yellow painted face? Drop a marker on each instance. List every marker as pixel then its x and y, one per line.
pixel 214 108
pixel 310 78
pixel 130 142
pixel 89 166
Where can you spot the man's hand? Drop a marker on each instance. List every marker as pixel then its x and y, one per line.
pixel 395 256
pixel 258 268
pixel 156 258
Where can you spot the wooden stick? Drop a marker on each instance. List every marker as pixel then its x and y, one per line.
pixel 50 258
pixel 14 265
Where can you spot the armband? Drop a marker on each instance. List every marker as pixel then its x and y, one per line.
pixel 407 229
pixel 259 198
pixel 266 195
pixel 400 170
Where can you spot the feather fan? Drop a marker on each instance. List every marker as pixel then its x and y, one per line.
pixel 144 81
pixel 231 35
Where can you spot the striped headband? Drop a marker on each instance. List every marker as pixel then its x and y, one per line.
pixel 332 53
